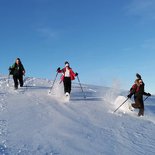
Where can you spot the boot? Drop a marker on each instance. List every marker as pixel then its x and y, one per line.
pixel 141 112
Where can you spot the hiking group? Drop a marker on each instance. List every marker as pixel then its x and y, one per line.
pixel 17 71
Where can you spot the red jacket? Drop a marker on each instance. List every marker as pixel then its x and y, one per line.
pixel 71 73
pixel 134 88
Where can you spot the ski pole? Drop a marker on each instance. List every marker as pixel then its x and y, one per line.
pixel 8 80
pixel 53 83
pixel 146 98
pixel 81 86
pixel 9 76
pixel 24 82
pixel 121 105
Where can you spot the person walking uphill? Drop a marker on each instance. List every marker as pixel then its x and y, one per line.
pixel 67 76
pixel 138 91
pixel 17 70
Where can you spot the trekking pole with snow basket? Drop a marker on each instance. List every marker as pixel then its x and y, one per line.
pixel 81 86
pixel 121 104
pixel 53 83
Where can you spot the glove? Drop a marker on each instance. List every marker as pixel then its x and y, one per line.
pixel 24 73
pixel 129 96
pixel 76 74
pixel 58 69
pixel 148 94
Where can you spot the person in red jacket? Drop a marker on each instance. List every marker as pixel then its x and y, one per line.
pixel 67 76
pixel 138 91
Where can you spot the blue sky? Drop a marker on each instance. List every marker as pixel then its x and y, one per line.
pixel 104 40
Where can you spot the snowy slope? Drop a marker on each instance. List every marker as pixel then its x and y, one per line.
pixel 34 122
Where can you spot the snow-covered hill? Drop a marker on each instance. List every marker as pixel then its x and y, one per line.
pixel 34 122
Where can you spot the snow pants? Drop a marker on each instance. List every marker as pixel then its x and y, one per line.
pixel 67 84
pixel 139 104
pixel 17 78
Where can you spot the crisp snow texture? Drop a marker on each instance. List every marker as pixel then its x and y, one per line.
pixel 36 122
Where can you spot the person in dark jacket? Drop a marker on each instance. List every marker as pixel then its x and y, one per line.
pixel 17 70
pixel 138 91
pixel 67 76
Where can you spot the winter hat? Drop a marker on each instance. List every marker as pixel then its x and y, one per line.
pixel 66 63
pixel 18 59
pixel 138 76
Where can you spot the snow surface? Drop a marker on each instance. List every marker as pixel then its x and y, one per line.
pixel 36 122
